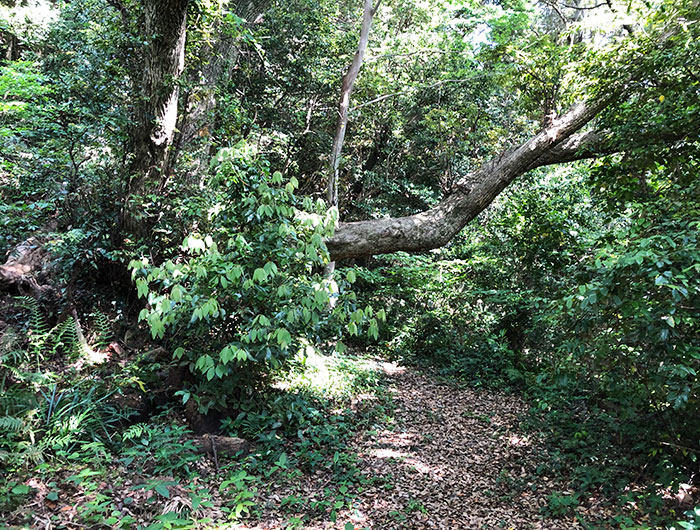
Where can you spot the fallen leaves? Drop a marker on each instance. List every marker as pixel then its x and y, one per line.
pixel 454 458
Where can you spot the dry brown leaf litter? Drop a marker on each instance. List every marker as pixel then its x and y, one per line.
pixel 455 459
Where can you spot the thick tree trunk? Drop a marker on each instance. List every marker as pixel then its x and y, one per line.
pixel 436 227
pixel 165 24
pixel 195 125
pixel 217 59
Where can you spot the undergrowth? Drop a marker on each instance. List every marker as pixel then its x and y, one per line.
pixel 69 446
pixel 603 444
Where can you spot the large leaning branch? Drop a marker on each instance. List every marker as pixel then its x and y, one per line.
pixel 561 142
pixel 436 227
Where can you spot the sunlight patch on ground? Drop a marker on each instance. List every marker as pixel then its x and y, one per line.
pixel 404 457
pixel 518 441
pixel 89 357
pixel 400 447
pixel 391 368
pixel 331 376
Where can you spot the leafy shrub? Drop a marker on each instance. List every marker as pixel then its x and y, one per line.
pixel 160 449
pixel 249 290
pixel 639 314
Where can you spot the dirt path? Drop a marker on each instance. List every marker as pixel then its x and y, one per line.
pixel 455 459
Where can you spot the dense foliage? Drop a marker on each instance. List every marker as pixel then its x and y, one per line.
pixel 204 287
pixel 251 293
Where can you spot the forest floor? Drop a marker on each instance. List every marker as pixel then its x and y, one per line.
pixel 453 458
pixel 396 448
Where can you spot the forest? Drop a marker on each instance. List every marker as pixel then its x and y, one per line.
pixel 349 264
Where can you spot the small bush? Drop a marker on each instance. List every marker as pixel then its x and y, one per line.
pixel 248 291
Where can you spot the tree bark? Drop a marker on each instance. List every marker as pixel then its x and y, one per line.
pixel 9 46
pixel 344 102
pixel 473 193
pixel 217 59
pixel 24 263
pixel 558 142
pixel 165 25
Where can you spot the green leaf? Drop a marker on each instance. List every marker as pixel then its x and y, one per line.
pixel 162 489
pixel 185 395
pixel 259 275
pixel 373 330
pixel 176 293
pixel 284 338
pixel 141 287
pixel 226 355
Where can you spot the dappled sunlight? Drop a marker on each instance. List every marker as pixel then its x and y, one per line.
pixel 683 496
pixel 404 457
pixel 391 368
pixel 446 449
pixel 462 295
pixel 400 447
pixel 519 441
pixel 330 376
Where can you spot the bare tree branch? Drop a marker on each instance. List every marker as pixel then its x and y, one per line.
pixel 344 102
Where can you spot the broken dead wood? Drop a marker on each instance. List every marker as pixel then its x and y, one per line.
pixel 24 264
pixel 222 446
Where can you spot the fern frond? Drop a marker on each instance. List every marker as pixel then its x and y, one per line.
pixel 38 325
pixel 17 403
pixel 33 453
pixel 134 431
pixel 64 337
pixel 22 376
pixel 12 358
pixel 103 330
pixel 11 423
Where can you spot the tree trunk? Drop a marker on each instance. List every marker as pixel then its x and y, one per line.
pixel 165 25
pixel 9 46
pixel 558 142
pixel 217 58
pixel 344 102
